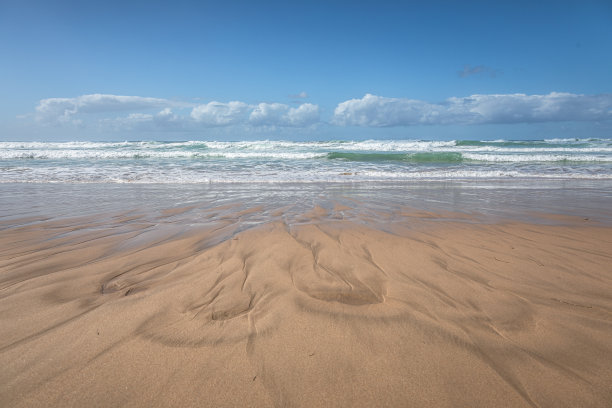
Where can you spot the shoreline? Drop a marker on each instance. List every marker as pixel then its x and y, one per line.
pixel 488 200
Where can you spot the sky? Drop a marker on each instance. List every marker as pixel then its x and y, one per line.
pixel 315 70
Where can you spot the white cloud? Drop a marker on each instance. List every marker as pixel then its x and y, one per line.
pixel 377 111
pixel 135 112
pixel 167 118
pixel 277 114
pixel 304 115
pixel 268 113
pixel 220 114
pixel 128 112
pixel 139 117
pixel 164 119
pixel 263 114
pixel 63 110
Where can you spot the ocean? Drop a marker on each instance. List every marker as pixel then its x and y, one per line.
pixel 151 162
pixel 377 179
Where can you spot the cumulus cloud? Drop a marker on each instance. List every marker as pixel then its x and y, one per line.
pixel 164 119
pixel 135 112
pixel 64 110
pixel 129 112
pixel 377 111
pixel 263 114
pixel 277 114
pixel 220 114
pixel 304 115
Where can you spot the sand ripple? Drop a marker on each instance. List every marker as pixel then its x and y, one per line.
pixel 131 310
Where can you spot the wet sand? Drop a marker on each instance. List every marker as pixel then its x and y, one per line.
pixel 330 306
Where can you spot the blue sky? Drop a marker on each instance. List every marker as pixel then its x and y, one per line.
pixel 304 70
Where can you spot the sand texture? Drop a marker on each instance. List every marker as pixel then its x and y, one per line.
pixel 125 310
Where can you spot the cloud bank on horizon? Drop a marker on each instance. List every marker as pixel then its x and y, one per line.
pixel 377 111
pixel 81 110
pixel 121 112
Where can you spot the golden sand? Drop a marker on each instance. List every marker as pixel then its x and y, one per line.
pixel 417 312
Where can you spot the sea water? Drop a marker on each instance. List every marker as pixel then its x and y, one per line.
pixel 376 178
pixel 303 162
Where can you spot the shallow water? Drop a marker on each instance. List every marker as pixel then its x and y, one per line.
pixel 491 200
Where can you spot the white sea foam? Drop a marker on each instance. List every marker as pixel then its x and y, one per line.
pixel 285 161
pixel 534 158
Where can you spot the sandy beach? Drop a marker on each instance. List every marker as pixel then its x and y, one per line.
pixel 343 204
pixel 193 306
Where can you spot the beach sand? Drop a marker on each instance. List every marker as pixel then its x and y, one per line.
pixel 418 309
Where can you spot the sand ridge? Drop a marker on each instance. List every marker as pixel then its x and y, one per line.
pixel 324 310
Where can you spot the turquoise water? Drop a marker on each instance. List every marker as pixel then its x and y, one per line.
pixel 298 162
